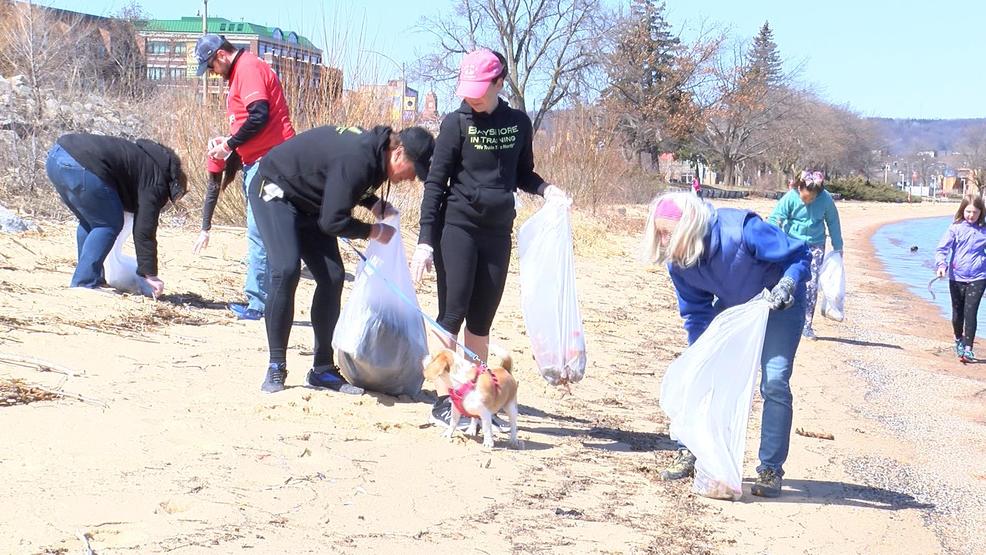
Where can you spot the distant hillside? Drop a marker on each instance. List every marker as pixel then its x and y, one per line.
pixel 907 136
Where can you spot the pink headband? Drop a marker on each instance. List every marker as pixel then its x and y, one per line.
pixel 667 209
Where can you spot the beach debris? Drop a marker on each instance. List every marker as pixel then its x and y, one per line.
pixel 10 223
pixel 816 435
pixel 914 248
pixel 18 392
pixel 930 283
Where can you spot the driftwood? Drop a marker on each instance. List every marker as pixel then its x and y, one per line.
pixel 41 365
pixel 816 435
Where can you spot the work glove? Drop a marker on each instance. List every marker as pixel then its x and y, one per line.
pixel 381 233
pixel 782 295
pixel 553 192
pixel 202 242
pixel 383 210
pixel 421 261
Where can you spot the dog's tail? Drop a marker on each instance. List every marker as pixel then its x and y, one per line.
pixel 506 361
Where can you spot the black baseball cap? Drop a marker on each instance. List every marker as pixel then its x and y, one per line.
pixel 206 48
pixel 419 145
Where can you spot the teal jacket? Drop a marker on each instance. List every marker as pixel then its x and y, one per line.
pixel 807 222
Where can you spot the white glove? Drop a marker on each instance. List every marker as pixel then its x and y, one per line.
pixel 421 261
pixel 553 192
pixel 218 148
pixel 202 242
pixel 157 286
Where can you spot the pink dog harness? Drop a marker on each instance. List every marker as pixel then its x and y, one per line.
pixel 458 394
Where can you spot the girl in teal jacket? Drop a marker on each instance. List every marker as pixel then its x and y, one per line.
pixel 804 213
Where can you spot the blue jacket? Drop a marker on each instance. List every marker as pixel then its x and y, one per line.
pixel 743 255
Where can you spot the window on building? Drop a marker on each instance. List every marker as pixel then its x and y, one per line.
pixel 180 48
pixel 155 73
pixel 239 28
pixel 158 47
pixel 222 26
pixel 176 73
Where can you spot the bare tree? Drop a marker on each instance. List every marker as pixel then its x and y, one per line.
pixel 550 45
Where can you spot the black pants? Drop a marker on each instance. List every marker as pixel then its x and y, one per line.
pixel 472 277
pixel 289 237
pixel 965 307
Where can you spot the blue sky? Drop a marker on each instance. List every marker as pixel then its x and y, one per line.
pixel 886 58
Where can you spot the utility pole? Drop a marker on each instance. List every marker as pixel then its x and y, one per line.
pixel 205 29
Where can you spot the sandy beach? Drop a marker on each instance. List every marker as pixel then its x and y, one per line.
pixel 164 443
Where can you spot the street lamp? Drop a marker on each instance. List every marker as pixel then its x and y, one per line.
pixel 401 66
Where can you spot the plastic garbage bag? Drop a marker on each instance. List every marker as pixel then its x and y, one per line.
pixel 120 269
pixel 380 338
pixel 548 295
pixel 707 393
pixel 832 287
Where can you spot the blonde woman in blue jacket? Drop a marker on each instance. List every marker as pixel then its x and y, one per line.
pixel 804 213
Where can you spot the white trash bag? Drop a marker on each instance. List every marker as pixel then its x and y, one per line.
pixel 707 393
pixel 119 269
pixel 548 294
pixel 832 286
pixel 380 338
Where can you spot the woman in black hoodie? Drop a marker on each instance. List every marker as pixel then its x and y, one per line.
pixel 98 178
pixel 303 198
pixel 483 154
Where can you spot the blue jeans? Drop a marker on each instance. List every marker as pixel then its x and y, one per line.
pixel 780 344
pixel 98 207
pixel 256 278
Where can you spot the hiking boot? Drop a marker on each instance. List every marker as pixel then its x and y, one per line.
pixel 682 466
pixel 959 348
pixel 809 334
pixel 968 355
pixel 441 414
pixel 768 484
pixel 330 378
pixel 276 374
pixel 243 312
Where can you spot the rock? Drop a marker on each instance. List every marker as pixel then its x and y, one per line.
pixel 10 223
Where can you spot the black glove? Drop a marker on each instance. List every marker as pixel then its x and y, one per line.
pixel 782 295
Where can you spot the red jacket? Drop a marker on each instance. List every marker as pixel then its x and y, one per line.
pixel 250 80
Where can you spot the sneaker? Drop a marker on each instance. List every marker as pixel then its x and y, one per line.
pixel 682 466
pixel 441 414
pixel 276 374
pixel 330 378
pixel 768 483
pixel 959 348
pixel 809 334
pixel 243 312
pixel 968 355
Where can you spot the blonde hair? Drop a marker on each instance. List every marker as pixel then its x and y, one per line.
pixel 687 242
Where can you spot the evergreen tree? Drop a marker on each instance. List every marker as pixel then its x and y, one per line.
pixel 765 60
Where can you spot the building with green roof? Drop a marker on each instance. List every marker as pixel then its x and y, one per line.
pixel 169 47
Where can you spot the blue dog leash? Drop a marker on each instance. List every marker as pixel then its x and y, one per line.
pixel 413 304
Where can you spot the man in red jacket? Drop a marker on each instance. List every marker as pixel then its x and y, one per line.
pixel 259 120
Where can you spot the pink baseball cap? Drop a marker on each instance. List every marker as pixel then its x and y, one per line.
pixel 478 69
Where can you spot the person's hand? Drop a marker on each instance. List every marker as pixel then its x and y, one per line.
pixel 157 286
pixel 842 254
pixel 382 233
pixel 551 192
pixel 422 260
pixel 218 149
pixel 941 272
pixel 202 242
pixel 782 295
pixel 383 210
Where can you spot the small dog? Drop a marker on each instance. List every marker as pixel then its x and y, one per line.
pixel 476 391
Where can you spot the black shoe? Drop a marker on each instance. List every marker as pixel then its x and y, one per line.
pixel 276 374
pixel 682 466
pixel 500 424
pixel 768 484
pixel 441 414
pixel 332 379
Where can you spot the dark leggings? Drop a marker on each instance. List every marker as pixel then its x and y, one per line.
pixel 965 306
pixel 289 237
pixel 472 277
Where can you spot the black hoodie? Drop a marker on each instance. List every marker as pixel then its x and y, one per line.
pixel 480 160
pixel 140 172
pixel 327 171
